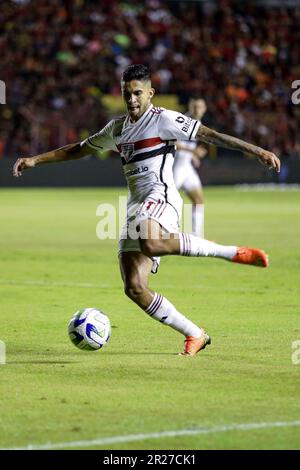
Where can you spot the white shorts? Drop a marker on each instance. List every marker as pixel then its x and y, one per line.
pixel 156 208
pixel 186 177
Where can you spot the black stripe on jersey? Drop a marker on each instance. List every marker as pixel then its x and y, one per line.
pixel 152 153
pixel 161 176
pixel 192 130
pixel 94 145
pixel 162 168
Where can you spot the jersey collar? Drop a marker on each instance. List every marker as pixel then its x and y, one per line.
pixel 133 123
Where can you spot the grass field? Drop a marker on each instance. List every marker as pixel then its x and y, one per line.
pixel 52 264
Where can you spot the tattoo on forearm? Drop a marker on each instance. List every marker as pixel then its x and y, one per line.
pixel 227 141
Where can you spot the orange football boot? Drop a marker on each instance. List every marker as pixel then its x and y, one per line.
pixel 253 256
pixel 193 345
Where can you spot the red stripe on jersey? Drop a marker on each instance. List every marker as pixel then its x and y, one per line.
pixel 142 144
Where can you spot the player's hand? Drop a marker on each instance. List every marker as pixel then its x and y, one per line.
pixel 270 160
pixel 196 162
pixel 21 165
pixel 200 152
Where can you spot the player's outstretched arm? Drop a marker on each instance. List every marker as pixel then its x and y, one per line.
pixel 69 152
pixel 210 136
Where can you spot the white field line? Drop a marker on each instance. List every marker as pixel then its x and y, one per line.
pixel 87 285
pixel 157 435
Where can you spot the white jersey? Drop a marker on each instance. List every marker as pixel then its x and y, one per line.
pixel 147 149
pixel 184 157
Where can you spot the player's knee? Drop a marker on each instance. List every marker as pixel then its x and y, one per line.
pixel 134 289
pixel 151 247
pixel 198 200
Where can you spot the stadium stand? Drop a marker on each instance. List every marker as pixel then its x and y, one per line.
pixel 59 59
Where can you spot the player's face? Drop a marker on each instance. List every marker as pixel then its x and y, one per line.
pixel 197 108
pixel 137 96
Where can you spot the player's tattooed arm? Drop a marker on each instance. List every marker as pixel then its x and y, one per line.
pixel 69 152
pixel 210 136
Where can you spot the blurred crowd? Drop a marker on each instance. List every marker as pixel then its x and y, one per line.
pixel 59 58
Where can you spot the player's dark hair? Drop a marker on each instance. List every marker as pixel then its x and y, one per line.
pixel 136 72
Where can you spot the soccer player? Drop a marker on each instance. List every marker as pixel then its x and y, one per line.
pixel 188 156
pixel 145 138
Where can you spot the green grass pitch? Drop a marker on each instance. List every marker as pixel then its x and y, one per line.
pixel 52 264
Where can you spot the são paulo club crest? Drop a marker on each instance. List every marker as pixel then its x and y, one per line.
pixel 127 151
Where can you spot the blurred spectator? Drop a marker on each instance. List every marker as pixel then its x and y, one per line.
pixel 58 58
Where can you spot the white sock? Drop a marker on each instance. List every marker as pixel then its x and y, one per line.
pixel 162 310
pixel 195 246
pixel 198 220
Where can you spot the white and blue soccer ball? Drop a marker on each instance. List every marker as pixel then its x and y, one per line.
pixel 89 329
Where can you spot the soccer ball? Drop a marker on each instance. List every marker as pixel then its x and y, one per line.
pixel 89 329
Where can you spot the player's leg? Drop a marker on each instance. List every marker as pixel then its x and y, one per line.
pixel 196 195
pixel 154 242
pixel 135 268
pixel 193 188
pixel 197 198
